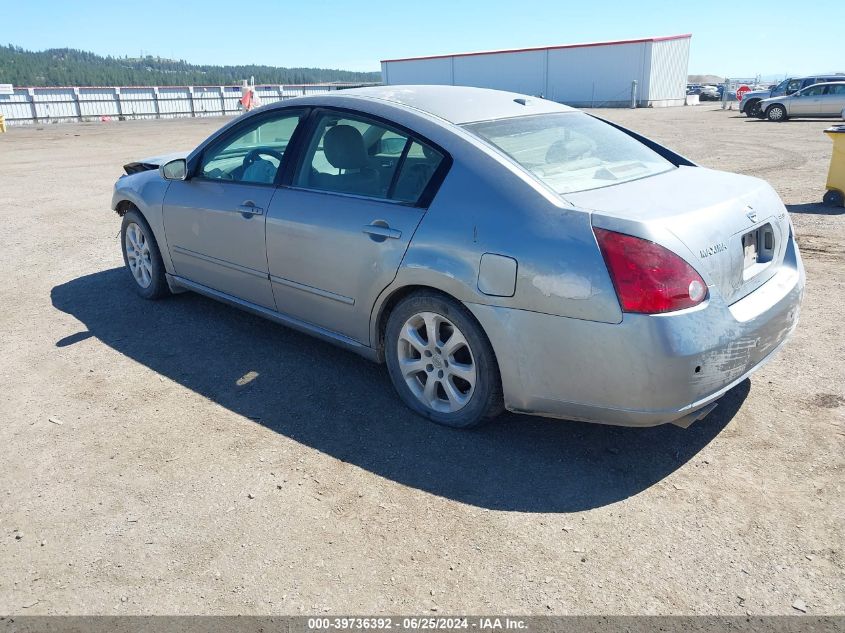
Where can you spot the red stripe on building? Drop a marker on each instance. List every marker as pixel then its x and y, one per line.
pixel 543 48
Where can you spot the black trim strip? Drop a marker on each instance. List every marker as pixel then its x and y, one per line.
pixel 399 165
pixel 673 157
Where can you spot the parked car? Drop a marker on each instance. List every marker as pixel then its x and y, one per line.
pixel 750 103
pixel 709 93
pixel 819 100
pixel 495 250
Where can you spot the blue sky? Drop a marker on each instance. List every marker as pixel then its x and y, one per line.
pixel 729 38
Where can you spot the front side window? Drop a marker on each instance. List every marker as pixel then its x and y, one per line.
pixel 355 155
pixel 571 151
pixel 793 86
pixel 256 152
pixel 815 91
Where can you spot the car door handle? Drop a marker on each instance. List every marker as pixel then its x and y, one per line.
pixel 383 232
pixel 250 209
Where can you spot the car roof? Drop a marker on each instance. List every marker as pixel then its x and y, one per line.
pixel 456 104
pixel 823 83
pixel 816 76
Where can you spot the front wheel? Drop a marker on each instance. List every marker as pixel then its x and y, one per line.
pixel 441 362
pixel 776 113
pixel 752 109
pixel 141 256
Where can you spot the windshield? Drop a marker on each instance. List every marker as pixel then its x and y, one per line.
pixel 571 151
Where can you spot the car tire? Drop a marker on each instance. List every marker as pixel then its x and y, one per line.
pixel 776 113
pixel 141 256
pixel 833 198
pixel 751 109
pixel 421 349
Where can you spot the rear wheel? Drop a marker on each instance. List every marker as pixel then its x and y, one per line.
pixel 776 113
pixel 441 362
pixel 141 256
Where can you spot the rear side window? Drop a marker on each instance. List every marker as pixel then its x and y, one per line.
pixel 419 167
pixel 355 155
pixel 838 89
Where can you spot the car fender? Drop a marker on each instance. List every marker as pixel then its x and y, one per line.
pixel 145 190
pixel 782 103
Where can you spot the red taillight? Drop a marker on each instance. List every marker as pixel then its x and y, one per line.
pixel 649 278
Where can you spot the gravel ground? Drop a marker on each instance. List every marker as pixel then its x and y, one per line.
pixel 144 472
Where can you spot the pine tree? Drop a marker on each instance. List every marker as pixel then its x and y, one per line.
pixel 71 67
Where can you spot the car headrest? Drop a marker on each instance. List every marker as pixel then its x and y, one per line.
pixel 344 147
pixel 562 151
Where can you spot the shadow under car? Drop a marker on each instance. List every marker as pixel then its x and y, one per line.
pixel 342 405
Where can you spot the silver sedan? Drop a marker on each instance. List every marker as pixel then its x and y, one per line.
pixel 819 100
pixel 495 250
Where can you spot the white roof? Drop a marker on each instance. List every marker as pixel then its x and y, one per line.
pixel 459 104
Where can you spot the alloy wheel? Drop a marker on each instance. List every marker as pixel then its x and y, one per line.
pixel 138 255
pixel 437 362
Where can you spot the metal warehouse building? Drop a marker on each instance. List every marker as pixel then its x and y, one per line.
pixel 599 74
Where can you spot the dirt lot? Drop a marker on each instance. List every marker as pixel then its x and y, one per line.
pixel 170 487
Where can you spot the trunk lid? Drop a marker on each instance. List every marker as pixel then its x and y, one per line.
pixel 732 229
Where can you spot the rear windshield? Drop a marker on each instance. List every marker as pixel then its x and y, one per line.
pixel 571 151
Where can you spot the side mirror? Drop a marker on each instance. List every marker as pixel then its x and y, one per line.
pixel 174 170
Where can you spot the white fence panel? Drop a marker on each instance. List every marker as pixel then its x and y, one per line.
pixel 174 102
pixel 45 105
pixel 16 106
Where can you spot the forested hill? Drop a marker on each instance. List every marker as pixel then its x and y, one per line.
pixel 69 67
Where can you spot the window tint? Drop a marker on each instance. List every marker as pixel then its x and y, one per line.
pixel 355 155
pixel 254 154
pixel 815 91
pixel 419 167
pixel 793 86
pixel 838 89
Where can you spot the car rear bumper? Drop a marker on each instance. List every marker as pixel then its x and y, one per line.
pixel 648 369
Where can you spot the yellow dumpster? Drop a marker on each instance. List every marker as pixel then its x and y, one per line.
pixel 835 195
